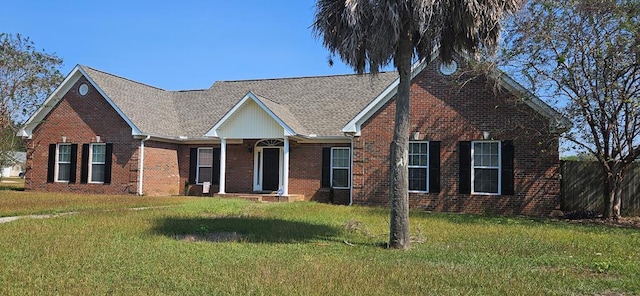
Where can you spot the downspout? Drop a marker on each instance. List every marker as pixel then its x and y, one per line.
pixel 351 171
pixel 141 165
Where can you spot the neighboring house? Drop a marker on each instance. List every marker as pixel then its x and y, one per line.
pixel 16 166
pixel 323 138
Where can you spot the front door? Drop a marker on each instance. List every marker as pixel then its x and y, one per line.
pixel 270 169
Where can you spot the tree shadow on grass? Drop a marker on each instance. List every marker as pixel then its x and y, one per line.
pixel 245 229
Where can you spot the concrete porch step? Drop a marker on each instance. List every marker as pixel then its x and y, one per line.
pixel 263 197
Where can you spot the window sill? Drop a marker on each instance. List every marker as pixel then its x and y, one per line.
pixel 485 194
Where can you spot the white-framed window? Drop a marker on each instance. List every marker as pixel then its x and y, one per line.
pixel 204 172
pixel 63 162
pixel 340 167
pixel 418 166
pixel 486 167
pixel 97 162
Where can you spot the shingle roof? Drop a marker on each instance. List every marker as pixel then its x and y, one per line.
pixel 285 115
pixel 310 105
pixel 151 109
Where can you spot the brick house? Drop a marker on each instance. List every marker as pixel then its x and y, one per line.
pixel 324 138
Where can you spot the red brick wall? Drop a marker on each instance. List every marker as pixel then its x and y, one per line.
pixel 239 168
pixel 80 119
pixel 161 170
pixel 305 174
pixel 442 110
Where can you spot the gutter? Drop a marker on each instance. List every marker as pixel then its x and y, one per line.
pixel 141 165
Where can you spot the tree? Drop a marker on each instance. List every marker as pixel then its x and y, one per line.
pixel 9 142
pixel 370 34
pixel 586 54
pixel 27 76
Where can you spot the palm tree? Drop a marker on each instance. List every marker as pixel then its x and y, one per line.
pixel 370 34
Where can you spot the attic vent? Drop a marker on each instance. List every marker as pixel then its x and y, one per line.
pixel 448 68
pixel 84 89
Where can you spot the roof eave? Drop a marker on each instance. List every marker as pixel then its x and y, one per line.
pixel 354 126
pixel 558 122
pixel 59 93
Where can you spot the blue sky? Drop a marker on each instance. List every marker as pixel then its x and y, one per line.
pixel 176 45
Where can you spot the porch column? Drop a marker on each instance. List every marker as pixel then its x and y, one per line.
pixel 223 164
pixel 285 168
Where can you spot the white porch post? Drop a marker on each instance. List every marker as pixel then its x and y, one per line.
pixel 223 164
pixel 285 168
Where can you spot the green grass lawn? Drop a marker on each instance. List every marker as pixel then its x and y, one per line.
pixel 206 246
pixel 11 183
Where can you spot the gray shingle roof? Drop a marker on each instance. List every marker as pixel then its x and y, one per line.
pixel 150 109
pixel 284 114
pixel 309 105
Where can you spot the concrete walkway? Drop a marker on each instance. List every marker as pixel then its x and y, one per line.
pixel 14 218
pixel 45 216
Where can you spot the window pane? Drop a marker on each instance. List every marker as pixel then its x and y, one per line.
pixel 97 173
pixel 205 157
pixel 485 154
pixel 340 178
pixel 98 153
pixel 494 160
pixel 418 154
pixel 63 171
pixel 204 174
pixel 340 158
pixel 64 153
pixel 485 180
pixel 418 179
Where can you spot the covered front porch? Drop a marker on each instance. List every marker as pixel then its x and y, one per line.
pixel 270 173
pixel 257 137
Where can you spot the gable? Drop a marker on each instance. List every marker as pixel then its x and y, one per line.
pixel 557 122
pixel 59 93
pixel 250 119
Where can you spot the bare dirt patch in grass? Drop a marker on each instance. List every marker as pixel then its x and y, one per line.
pixel 623 222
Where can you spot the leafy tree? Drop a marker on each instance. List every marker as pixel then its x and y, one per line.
pixel 370 34
pixel 27 76
pixel 586 55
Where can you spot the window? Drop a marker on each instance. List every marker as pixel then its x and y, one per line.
pixel 340 167
pixel 98 162
pixel 63 163
pixel 486 168
pixel 205 165
pixel 418 166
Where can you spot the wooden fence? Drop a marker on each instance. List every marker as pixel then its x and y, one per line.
pixel 583 187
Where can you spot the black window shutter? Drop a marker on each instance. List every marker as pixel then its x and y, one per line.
pixel 84 164
pixel 507 167
pixel 193 165
pixel 51 164
pixel 74 163
pixel 326 167
pixel 434 166
pixel 216 166
pixel 464 157
pixel 108 162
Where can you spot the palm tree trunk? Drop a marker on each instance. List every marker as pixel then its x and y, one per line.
pixel 399 237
